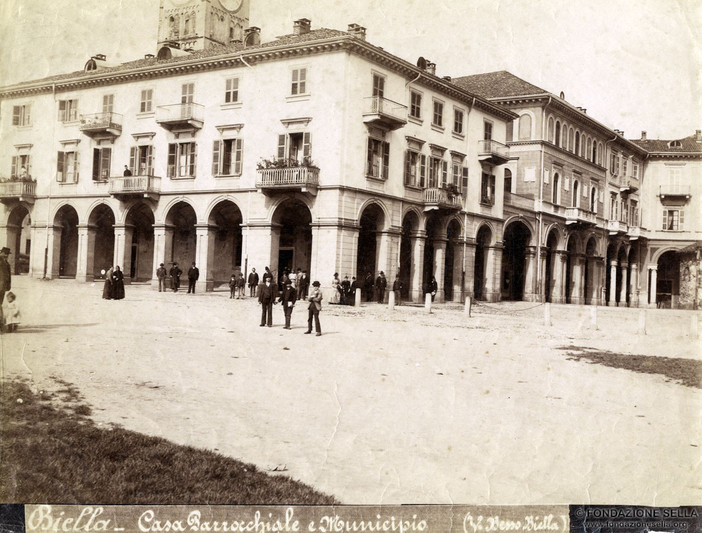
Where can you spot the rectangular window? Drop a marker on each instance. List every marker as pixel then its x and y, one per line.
pixel 635 169
pixel 231 91
pixel 412 160
pixel 108 101
pixel 146 103
pixel 21 168
pixel 415 104
pixel 182 160
pixel 673 219
pixel 299 81
pixel 295 148
pixel 613 207
pixel 68 110
pixel 634 213
pixel 487 189
pixel 141 160
pixel 187 93
pixel 67 167
pixel 487 131
pixel 227 157
pixel 464 183
pixel 438 173
pixel 625 164
pixel 378 85
pixel 378 159
pixel 21 115
pixel 674 179
pixel 458 121
pixel 438 118
pixel 101 163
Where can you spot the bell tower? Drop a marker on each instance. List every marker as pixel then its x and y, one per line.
pixel 199 24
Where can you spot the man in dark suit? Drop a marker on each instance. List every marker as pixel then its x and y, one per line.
pixel 193 276
pixel 315 307
pixel 288 298
pixel 253 282
pixel 5 276
pixel 303 284
pixel 267 295
pixel 175 273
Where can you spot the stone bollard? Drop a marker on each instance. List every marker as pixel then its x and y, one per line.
pixel 593 317
pixel 694 332
pixel 391 300
pixel 357 299
pixel 468 307
pixel 427 302
pixel 547 314
pixel 642 322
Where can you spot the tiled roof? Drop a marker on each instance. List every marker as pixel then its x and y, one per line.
pixel 497 85
pixel 688 144
pixel 213 51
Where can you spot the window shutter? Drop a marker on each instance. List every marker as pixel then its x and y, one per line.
pixel 59 167
pixel 444 173
pixel 14 171
pixel 238 156
pixel 171 171
pixel 16 115
pixel 282 146
pixel 76 166
pixel 492 189
pixel 193 159
pixel 149 160
pixel 96 164
pixel 216 147
pixel 386 159
pixel 407 167
pixel 682 219
pixel 133 166
pixel 62 111
pixel 369 157
pixel 423 171
pixel 306 145
pixel 464 184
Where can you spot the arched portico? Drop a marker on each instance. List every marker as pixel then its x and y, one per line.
pixel 99 236
pixel 64 243
pixel 517 262
pixel 18 238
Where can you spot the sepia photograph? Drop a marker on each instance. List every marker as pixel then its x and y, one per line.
pixel 327 254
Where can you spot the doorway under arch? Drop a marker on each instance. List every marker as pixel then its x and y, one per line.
pixel 515 241
pixel 66 220
pixel 102 222
pixel 140 244
pixel 19 239
pixel 292 242
pixel 371 224
pixel 410 225
pixel 226 218
pixel 482 243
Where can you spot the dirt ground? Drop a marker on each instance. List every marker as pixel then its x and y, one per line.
pixel 388 406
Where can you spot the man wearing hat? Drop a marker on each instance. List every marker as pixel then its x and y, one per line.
pixel 288 298
pixel 161 275
pixel 266 297
pixel 315 299
pixel 175 273
pixel 5 280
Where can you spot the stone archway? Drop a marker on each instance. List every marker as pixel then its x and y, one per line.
pixel 19 239
pixel 482 243
pixel 668 283
pixel 291 243
pixel 139 243
pixel 66 242
pixel 408 263
pixel 226 243
pixel 452 286
pixel 514 255
pixel 552 275
pixel 101 241
pixel 590 272
pixel 182 218
pixel 371 223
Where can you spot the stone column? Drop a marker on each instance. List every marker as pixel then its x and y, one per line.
pixel 470 269
pixel 576 279
pixel 259 246
pixel 388 247
pixel 612 301
pixel 624 289
pixel 54 255
pixel 458 287
pixel 86 253
pixel 634 286
pixel 439 266
pixel 123 249
pixel 163 250
pixel 418 240
pixel 204 254
pixel 653 287
pixel 493 270
pixel 559 258
pixel 529 271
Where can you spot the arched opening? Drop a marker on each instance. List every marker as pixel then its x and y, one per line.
pixel 551 266
pixel 410 224
pixel 555 194
pixel 593 199
pixel 550 129
pixel 292 242
pixel 482 243
pixel 515 241
pixel 577 143
pixel 508 181
pixel 451 285
pixel 525 127
pixel 371 224
pixel 571 289
pixel 668 285
pixel 101 222
pixel 140 244
pixel 19 239
pixel 226 220
pixel 67 220
pixel 558 133
pixel 589 283
pixel 432 229
pixel 576 196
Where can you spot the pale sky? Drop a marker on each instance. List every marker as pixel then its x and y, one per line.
pixel 634 64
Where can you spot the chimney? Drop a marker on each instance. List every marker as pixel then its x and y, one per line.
pixel 149 56
pixel 698 136
pixel 643 135
pixel 357 31
pixel 447 78
pixel 431 68
pixel 301 26
pixel 100 57
pixel 252 36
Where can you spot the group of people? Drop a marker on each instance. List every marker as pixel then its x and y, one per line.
pixel 113 289
pixel 9 309
pixel 173 275
pixel 288 293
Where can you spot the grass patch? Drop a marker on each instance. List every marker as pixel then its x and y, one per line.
pixel 686 372
pixel 53 453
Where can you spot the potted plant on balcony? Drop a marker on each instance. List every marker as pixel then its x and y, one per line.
pixel 451 190
pixel 274 162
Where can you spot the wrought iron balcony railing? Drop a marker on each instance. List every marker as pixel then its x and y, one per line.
pixel 135 186
pixel 188 115
pixel 18 190
pixel 97 123
pixel 576 214
pixel 494 151
pixel 442 198
pixel 384 112
pixel 288 178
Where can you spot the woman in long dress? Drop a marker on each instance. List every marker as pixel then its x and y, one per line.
pixel 336 294
pixel 107 287
pixel 117 284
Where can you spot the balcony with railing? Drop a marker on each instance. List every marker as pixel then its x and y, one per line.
pixel 442 199
pixel 181 117
pixel 634 232
pixel 101 124
pixel 18 191
pixel 382 112
pixel 674 190
pixel 576 215
pixel 289 178
pixel 628 185
pixel 617 227
pixel 493 152
pixel 125 187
